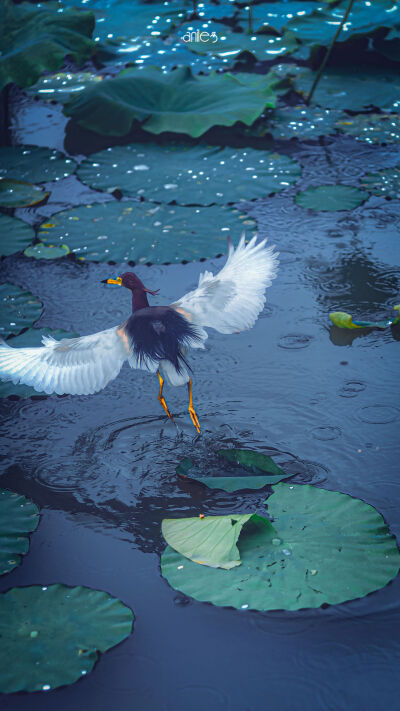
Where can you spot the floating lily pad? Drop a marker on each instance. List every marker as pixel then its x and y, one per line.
pixel 275 14
pixel 330 198
pixel 178 101
pixel 59 86
pixel 231 45
pixel 54 634
pixel 32 338
pixel 303 122
pixel 18 517
pixel 47 251
pixel 194 175
pixel 36 39
pixel 235 469
pixel 14 235
pixel 16 193
pixel 372 128
pixel 352 89
pixel 384 183
pixel 144 232
pixel 327 547
pixel 34 164
pixel 18 309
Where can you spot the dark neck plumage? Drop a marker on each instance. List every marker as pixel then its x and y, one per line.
pixel 139 300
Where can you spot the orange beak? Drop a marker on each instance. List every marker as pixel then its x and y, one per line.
pixel 118 281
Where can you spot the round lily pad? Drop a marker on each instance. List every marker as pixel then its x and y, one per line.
pixel 18 517
pixel 385 183
pixel 18 309
pixel 54 634
pixel 302 122
pixel 14 235
pixel 34 164
pixel 32 338
pixel 234 469
pixel 323 547
pixel 189 175
pixel 47 251
pixel 330 198
pixel 16 193
pixel 143 232
pixel 372 128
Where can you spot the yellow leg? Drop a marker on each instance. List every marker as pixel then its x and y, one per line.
pixel 192 411
pixel 161 399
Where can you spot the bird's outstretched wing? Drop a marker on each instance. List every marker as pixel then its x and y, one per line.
pixel 231 300
pixel 77 366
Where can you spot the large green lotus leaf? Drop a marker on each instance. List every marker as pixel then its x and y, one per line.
pixel 302 122
pixel 46 251
pixel 34 164
pixel 32 338
pixel 14 235
pixel 59 86
pixel 364 19
pixel 17 193
pixel 327 548
pixel 372 128
pixel 18 517
pixel 179 102
pixel 211 540
pixel 194 175
pixel 385 183
pixel 233 470
pixel 275 14
pixel 36 39
pixel 143 232
pixel 352 89
pixel 18 309
pixel 231 45
pixel 330 198
pixel 54 634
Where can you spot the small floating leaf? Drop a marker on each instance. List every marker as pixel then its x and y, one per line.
pixel 18 309
pixel 16 193
pixel 18 517
pixel 34 164
pixel 54 634
pixel 371 128
pixel 385 183
pixel 329 198
pixel 47 251
pixel 327 547
pixel 14 235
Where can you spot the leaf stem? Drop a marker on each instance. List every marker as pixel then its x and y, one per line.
pixel 250 17
pixel 325 59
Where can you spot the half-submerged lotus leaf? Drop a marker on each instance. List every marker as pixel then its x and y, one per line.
pixel 211 540
pixel 178 101
pixel 345 320
pixel 189 175
pixel 18 309
pixel 36 39
pixel 16 193
pixel 146 232
pixel 34 164
pixel 327 547
pixel 385 183
pixel 329 198
pixel 18 517
pixel 53 634
pixel 14 235
pixel 371 128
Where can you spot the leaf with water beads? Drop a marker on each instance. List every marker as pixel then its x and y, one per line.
pixel 54 634
pixel 371 128
pixel 384 183
pixel 274 14
pixel 47 251
pixel 326 548
pixel 189 175
pixel 58 86
pixel 18 517
pixel 231 45
pixel 302 122
pixel 34 164
pixel 17 193
pixel 330 198
pixel 18 309
pixel 15 235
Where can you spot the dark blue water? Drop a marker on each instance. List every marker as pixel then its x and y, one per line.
pixel 102 468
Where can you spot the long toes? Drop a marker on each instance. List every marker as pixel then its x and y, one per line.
pixel 195 419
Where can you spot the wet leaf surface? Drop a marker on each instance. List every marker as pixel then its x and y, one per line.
pixel 18 516
pixel 15 235
pixel 352 89
pixel 18 309
pixel 385 183
pixel 231 45
pixel 17 193
pixel 34 164
pixel 372 128
pixel 44 251
pixel 330 198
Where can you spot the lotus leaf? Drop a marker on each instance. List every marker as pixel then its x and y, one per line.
pixel 385 182
pixel 179 102
pixel 275 14
pixel 231 45
pixel 18 309
pixel 18 517
pixel 330 198
pixel 327 547
pixel 14 235
pixel 372 128
pixel 143 232
pixel 303 122
pixel 32 338
pixel 189 175
pixel 36 39
pixel 46 251
pixel 16 193
pixel 352 89
pixel 54 634
pixel 58 87
pixel 34 164
pixel 211 11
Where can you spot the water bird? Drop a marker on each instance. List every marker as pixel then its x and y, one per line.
pixel 153 338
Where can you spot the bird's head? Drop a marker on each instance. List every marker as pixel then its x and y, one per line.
pixel 130 281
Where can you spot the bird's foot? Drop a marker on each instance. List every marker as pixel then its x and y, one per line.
pixel 165 406
pixel 194 418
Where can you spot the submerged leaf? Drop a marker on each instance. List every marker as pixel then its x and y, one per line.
pixel 330 198
pixel 18 516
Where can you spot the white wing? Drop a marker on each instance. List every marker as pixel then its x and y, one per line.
pixel 231 300
pixel 77 366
